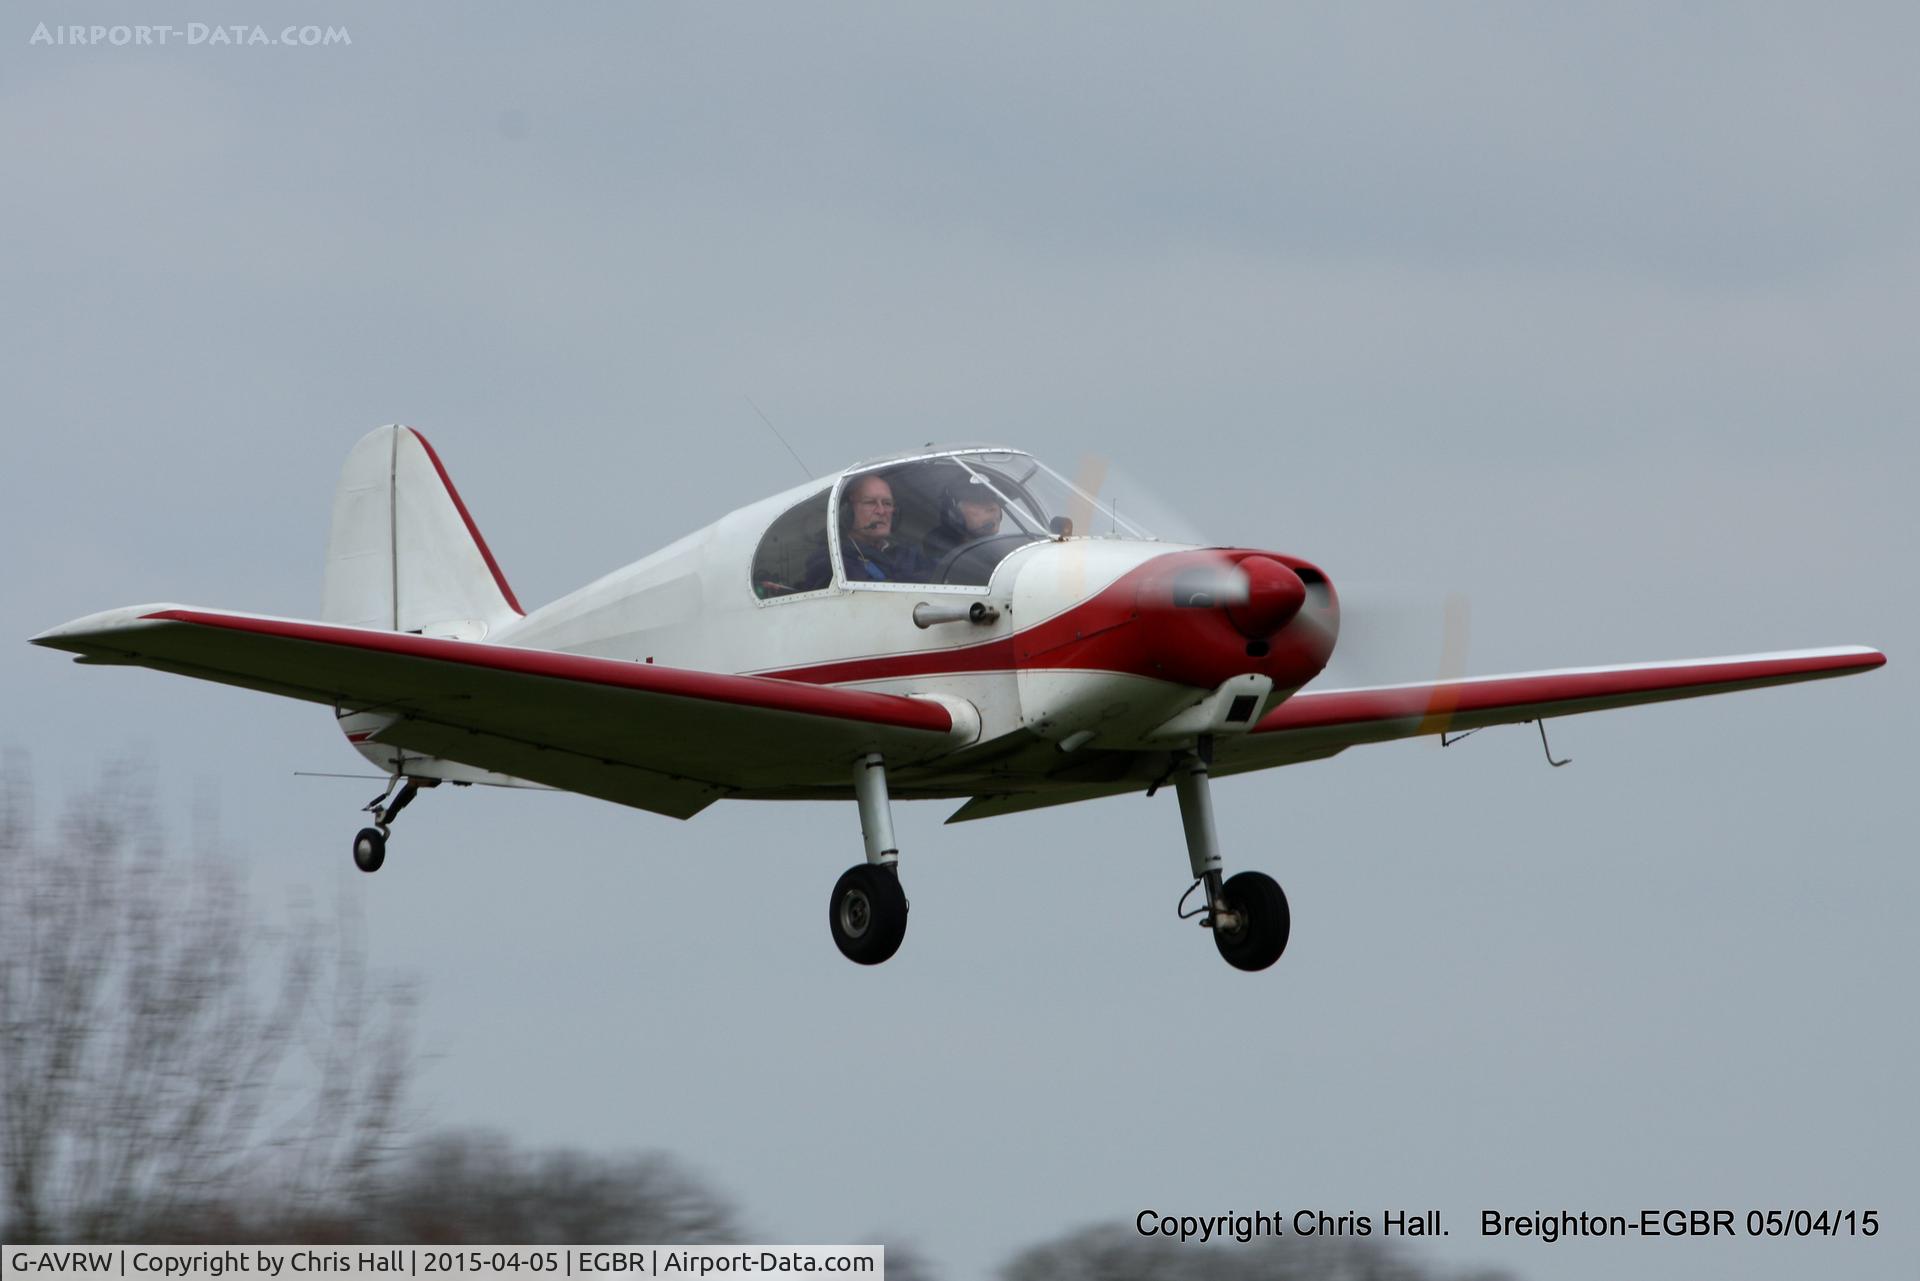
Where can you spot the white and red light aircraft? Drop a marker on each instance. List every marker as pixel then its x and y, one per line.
pixel 944 623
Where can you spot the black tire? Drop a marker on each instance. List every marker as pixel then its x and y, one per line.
pixel 369 849
pixel 1266 921
pixel 868 913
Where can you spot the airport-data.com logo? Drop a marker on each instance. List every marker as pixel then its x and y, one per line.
pixel 189 35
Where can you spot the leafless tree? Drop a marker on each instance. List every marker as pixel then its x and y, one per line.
pixel 1115 1252
pixel 151 1032
pixel 476 1187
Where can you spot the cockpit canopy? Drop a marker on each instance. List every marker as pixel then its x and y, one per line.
pixel 943 518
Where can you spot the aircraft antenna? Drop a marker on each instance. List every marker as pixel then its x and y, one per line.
pixel 782 439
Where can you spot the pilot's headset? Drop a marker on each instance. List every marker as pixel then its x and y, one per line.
pixel 847 487
pixel 963 486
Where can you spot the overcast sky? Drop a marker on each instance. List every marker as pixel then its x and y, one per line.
pixel 1607 322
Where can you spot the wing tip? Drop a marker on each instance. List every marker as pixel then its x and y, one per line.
pixel 105 622
pixel 1852 659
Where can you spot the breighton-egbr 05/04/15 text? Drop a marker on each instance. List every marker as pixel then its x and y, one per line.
pixel 1552 1225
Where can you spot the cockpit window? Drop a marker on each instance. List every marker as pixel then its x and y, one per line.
pixel 792 558
pixel 941 520
pixel 950 520
pixel 883 518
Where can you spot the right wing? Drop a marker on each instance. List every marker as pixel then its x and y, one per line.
pixel 1319 722
pixel 1316 724
pixel 665 739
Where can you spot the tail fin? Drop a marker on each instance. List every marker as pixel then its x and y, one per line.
pixel 404 555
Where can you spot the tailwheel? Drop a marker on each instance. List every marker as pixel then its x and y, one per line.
pixel 369 849
pixel 868 913
pixel 1253 932
pixel 370 845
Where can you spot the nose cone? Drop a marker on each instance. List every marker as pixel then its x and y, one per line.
pixel 1193 616
pixel 1274 595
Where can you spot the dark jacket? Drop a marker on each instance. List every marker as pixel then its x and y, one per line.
pixel 897 562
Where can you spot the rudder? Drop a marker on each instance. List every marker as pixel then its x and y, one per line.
pixel 403 553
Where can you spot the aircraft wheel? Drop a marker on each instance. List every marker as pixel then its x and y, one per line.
pixel 868 913
pixel 369 849
pixel 1265 921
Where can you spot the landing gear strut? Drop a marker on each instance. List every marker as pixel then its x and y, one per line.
pixel 1248 913
pixel 868 910
pixel 370 844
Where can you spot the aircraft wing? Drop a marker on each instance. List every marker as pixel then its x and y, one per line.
pixel 1316 724
pixel 665 739
pixel 1318 721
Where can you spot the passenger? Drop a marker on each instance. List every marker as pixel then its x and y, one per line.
pixel 868 550
pixel 970 510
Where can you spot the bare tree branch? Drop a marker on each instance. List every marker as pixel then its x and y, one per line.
pixel 147 1030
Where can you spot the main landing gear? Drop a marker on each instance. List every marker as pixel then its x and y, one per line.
pixel 1248 912
pixel 868 910
pixel 370 845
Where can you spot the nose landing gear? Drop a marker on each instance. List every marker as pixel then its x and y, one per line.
pixel 1248 913
pixel 370 843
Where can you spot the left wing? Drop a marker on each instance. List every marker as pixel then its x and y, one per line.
pixel 666 739
pixel 1320 721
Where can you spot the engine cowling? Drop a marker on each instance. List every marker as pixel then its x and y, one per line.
pixel 1182 620
pixel 1209 615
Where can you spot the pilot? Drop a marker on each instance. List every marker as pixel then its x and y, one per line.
pixel 868 550
pixel 970 510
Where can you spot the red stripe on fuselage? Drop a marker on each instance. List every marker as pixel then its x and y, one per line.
pixel 1123 629
pixel 994 656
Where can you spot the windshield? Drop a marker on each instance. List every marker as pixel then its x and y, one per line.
pixel 1044 502
pixel 950 519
